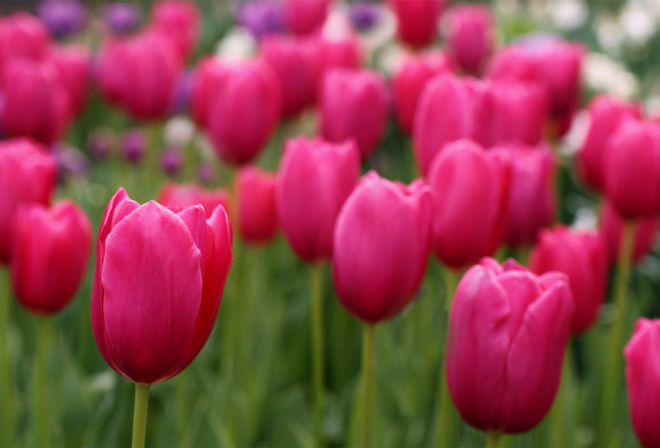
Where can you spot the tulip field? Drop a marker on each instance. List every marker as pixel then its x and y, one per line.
pixel 328 223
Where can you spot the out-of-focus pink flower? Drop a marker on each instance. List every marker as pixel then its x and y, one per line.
pixel 22 36
pixel 471 31
pixel 417 20
pixel 178 20
pixel 73 65
pixel 303 17
pixel 257 211
pixel 611 227
pixel 186 195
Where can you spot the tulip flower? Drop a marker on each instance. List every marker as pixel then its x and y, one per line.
pixel 643 380
pixel 49 255
pixel 645 234
pixel 22 36
pixel 606 114
pixel 509 326
pixel 354 104
pixel 261 17
pixel 582 256
pixel 417 22
pixel 64 18
pixel 121 17
pixel 471 196
pixel 186 195
pixel 72 65
pixel 178 20
pixel 303 17
pixel 257 212
pixel 409 80
pixel 342 51
pixel 27 174
pixel 470 35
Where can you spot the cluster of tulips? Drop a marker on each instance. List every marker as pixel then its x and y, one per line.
pixel 481 125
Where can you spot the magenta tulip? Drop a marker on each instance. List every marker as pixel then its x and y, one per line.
pixel 72 65
pixel 28 173
pixel 22 36
pixel 582 256
pixel 471 196
pixel 49 255
pixel 341 52
pixel 508 330
pixel 417 21
pixel 314 179
pixel 185 195
pixel 470 35
pixel 354 104
pixel 643 380
pixel 304 17
pixel 180 21
pixel 158 282
pixel 381 247
pixel 646 233
pixel 207 74
pixel 257 212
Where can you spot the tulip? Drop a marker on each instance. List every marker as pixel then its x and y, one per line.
pixel 261 17
pixel 341 52
pixel 186 195
pixel 471 197
pixel 417 22
pixel 409 80
pixel 208 73
pixel 178 20
pixel 27 174
pixel 606 114
pixel 171 161
pixel 353 104
pixel 72 65
pixel 532 195
pixel 257 212
pixel 315 178
pixel 303 17
pixel 611 227
pixel 470 35
pixel 121 17
pixel 582 256
pixel 50 251
pixel 22 36
pixel 134 145
pixel 297 65
pixel 643 380
pixel 511 327
pixel 64 18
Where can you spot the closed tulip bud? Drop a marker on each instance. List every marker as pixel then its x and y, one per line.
pixel 643 380
pixel 171 161
pixel 381 247
pixel 354 104
pixel 180 21
pixel 582 256
pixel 314 179
pixel 470 35
pixel 49 255
pixel 158 282
pixel 631 169
pixel 303 17
pixel 417 22
pixel 510 326
pixel 531 198
pixel 257 212
pixel 471 196
pixel 206 75
pixel 297 65
pixel 341 52
pixel 27 174
pixel 611 226
pixel 22 36
pixel 606 114
pixel 72 65
pixel 409 80
pixel 185 195
pixel 134 145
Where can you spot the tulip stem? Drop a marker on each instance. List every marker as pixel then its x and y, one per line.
pixel 367 365
pixel 140 414
pixel 493 440
pixel 317 350
pixel 40 411
pixel 7 417
pixel 614 359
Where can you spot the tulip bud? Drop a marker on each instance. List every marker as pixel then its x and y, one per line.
pixel 100 143
pixel 417 21
pixel 381 247
pixel 22 36
pixel 341 52
pixel 470 35
pixel 582 256
pixel 178 20
pixel 171 161
pixel 471 196
pixel 511 327
pixel 261 17
pixel 185 195
pixel 611 226
pixel 158 282
pixel 305 16
pixel 134 145
pixel 72 65
pixel 631 169
pixel 257 212
pixel 49 255
pixel 643 380
pixel 353 104
pixel 314 179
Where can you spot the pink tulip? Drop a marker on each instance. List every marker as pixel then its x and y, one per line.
pixel 185 195
pixel 409 80
pixel 643 380
pixel 22 36
pixel 611 226
pixel 158 282
pixel 28 173
pixel 582 256
pixel 49 255
pixel 417 21
pixel 257 211
pixel 471 195
pixel 381 247
pixel 208 74
pixel 304 17
pixel 72 65
pixel 354 104
pixel 314 179
pixel 180 21
pixel 341 52
pixel 508 330
pixel 471 31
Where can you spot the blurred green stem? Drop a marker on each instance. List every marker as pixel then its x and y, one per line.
pixel 41 404
pixel 367 364
pixel 614 359
pixel 493 440
pixel 558 411
pixel 7 417
pixel 182 406
pixel 140 414
pixel 317 350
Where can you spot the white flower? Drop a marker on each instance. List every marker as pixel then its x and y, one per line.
pixel 603 74
pixel 238 45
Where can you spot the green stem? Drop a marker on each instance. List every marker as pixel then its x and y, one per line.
pixel 41 403
pixel 182 406
pixel 493 440
pixel 317 350
pixel 367 367
pixel 558 411
pixel 614 359
pixel 140 414
pixel 451 283
pixel 7 405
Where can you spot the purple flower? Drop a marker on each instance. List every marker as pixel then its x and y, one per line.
pixel 63 18
pixel 364 15
pixel 134 144
pixel 171 161
pixel 261 17
pixel 181 94
pixel 99 143
pixel 121 17
pixel 70 161
pixel 205 173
